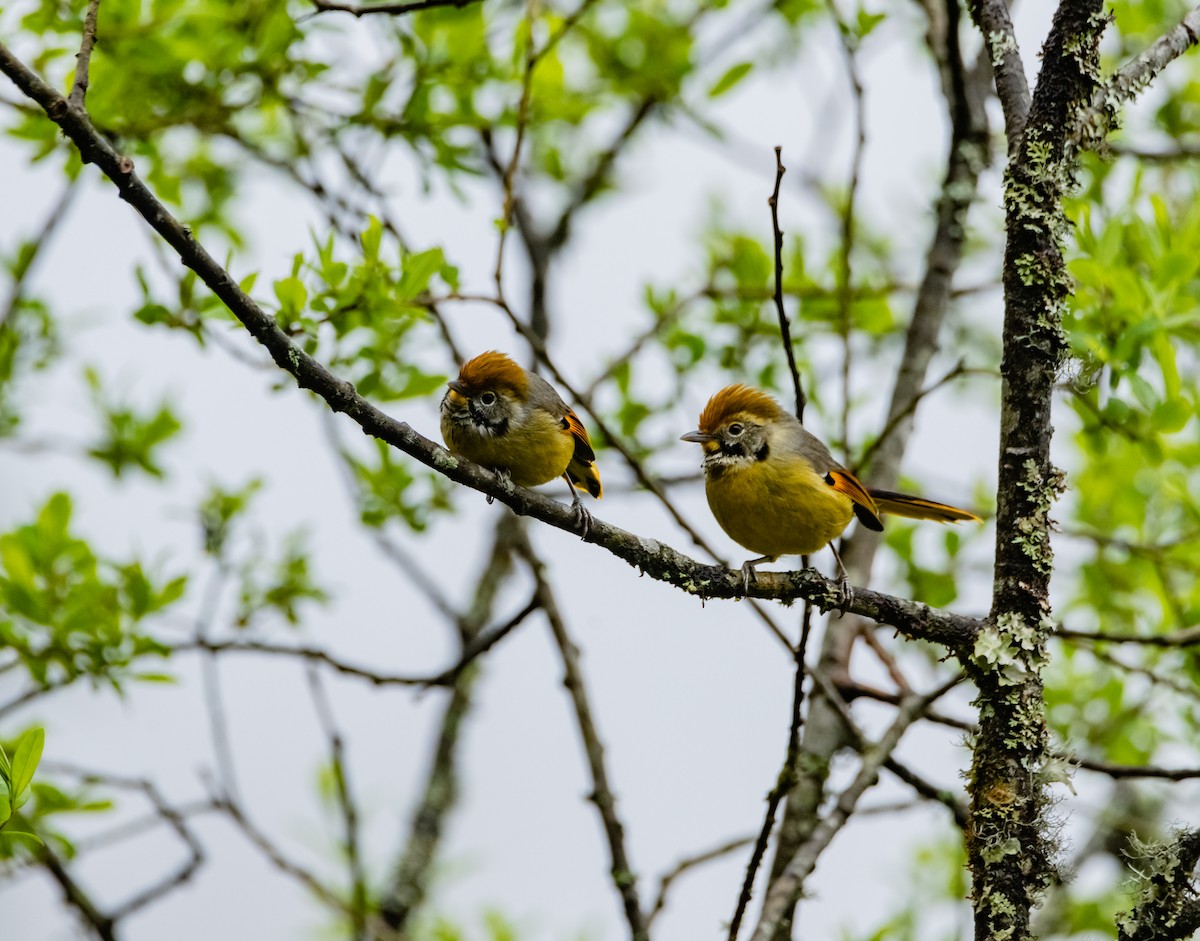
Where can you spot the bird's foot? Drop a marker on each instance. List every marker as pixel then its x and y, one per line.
pixel 583 519
pixel 749 573
pixel 505 478
pixel 845 595
pixel 748 576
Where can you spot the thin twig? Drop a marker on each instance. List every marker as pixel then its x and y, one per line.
pixel 83 58
pixel 345 800
pixel 25 263
pixel 388 9
pixel 845 275
pixel 623 877
pixel 783 784
pixel 275 857
pixel 214 703
pixel 409 885
pixel 1188 637
pixel 790 882
pixel 509 175
pixel 785 329
pixel 685 865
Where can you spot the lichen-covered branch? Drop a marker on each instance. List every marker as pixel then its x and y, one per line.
pixel 994 22
pixel 1010 845
pixel 1168 904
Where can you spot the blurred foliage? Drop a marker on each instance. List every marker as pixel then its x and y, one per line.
pixel 67 613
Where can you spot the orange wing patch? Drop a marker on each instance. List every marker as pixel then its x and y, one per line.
pixel 864 507
pixel 582 469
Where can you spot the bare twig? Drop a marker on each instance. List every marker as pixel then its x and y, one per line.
pixel 787 887
pixel 345 800
pixel 83 58
pixel 98 923
pixel 410 883
pixel 1188 637
pixel 387 9
pixel 26 261
pixel 845 276
pixel 785 329
pixel 784 783
pixel 906 411
pixel 623 877
pixel 214 703
pixel 687 864
pixel 482 643
pixel 275 857
pixel 952 801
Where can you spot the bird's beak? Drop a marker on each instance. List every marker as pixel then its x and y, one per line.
pixel 697 437
pixel 457 393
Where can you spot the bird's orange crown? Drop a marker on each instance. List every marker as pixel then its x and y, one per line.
pixel 737 400
pixel 493 370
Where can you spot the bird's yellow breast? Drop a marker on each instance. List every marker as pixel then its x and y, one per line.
pixel 780 506
pixel 532 451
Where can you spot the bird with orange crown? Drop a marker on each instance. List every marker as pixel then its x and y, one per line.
pixel 776 490
pixel 512 421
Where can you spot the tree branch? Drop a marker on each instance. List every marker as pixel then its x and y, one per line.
pixel 993 20
pixel 390 9
pixel 784 329
pixel 1010 845
pixel 623 877
pixel 786 888
pixel 83 58
pixel 1133 77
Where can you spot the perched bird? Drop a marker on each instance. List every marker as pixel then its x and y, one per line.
pixel 776 490
pixel 512 421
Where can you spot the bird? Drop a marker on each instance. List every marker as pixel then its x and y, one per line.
pixel 512 421
pixel 776 490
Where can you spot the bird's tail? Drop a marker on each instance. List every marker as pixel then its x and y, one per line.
pixel 918 508
pixel 584 476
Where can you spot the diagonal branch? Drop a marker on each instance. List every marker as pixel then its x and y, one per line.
pixel 789 884
pixel 623 876
pixel 1133 77
pixel 650 556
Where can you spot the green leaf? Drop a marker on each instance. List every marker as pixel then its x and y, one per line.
pixel 733 75
pixel 26 757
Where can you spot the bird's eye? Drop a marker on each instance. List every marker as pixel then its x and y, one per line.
pixel 487 398
pixel 736 429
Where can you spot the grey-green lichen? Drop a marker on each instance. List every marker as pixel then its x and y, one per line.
pixel 1166 901
pixel 1033 529
pixel 1011 649
pixel 444 461
pixel 1001 43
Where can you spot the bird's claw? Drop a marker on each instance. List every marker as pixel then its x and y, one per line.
pixel 583 519
pixel 505 478
pixel 845 596
pixel 748 576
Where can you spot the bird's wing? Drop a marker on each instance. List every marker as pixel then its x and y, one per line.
pixel 811 448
